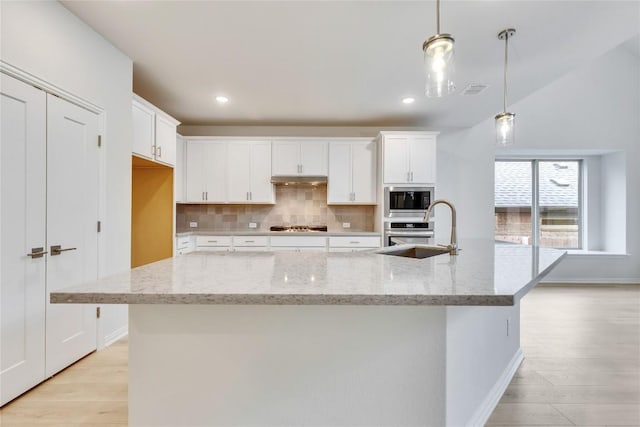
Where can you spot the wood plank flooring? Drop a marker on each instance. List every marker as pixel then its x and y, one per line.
pixel 582 367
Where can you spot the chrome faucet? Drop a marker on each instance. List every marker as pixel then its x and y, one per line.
pixel 453 246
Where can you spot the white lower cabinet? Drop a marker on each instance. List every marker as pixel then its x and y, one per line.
pixel 184 245
pixel 353 243
pixel 250 243
pixel 299 243
pixel 213 243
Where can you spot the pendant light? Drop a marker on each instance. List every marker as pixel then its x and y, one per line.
pixel 505 122
pixel 439 62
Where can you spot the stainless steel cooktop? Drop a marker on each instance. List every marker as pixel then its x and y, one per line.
pixel 299 228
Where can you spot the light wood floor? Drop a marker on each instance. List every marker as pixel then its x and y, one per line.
pixel 582 367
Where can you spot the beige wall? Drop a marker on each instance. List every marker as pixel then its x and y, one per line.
pixel 295 205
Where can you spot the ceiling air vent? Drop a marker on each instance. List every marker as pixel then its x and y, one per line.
pixel 474 89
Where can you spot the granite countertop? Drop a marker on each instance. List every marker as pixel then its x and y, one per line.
pixel 277 233
pixel 485 273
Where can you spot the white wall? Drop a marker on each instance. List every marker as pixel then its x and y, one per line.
pixel 596 107
pixel 47 41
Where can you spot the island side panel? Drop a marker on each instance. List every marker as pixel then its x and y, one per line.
pixel 483 353
pixel 286 365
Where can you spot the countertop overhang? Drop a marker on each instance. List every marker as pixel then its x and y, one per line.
pixel 485 273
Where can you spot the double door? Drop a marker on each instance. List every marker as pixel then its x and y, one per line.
pixel 49 163
pixel 409 160
pixel 352 173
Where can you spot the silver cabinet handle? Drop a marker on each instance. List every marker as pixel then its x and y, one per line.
pixel 203 195
pixel 408 176
pixel 354 242
pixel 37 253
pixel 159 151
pixel 212 241
pixel 57 250
pixel 250 195
pixel 206 195
pixel 153 150
pixel 247 195
pixel 249 241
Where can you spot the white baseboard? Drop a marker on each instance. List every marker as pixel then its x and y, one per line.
pixel 116 335
pixel 482 414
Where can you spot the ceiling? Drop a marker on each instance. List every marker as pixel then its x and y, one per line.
pixel 347 63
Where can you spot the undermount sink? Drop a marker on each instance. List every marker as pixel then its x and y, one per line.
pixel 418 251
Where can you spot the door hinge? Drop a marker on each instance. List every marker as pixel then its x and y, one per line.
pixel 99 140
pixel 99 226
pixel 97 312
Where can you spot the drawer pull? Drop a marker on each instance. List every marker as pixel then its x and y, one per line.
pixel 354 242
pixel 212 241
pixel 249 241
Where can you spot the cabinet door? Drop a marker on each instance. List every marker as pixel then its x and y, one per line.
pixel 423 159
pixel 261 190
pixel 143 130
pixel 363 163
pixel 22 225
pixel 215 166
pixel 286 158
pixel 313 158
pixel 239 172
pixel 165 141
pixel 178 171
pixel 339 185
pixel 396 165
pixel 195 176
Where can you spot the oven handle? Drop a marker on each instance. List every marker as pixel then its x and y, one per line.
pixel 410 233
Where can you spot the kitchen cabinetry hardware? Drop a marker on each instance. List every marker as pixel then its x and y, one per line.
pixel 206 195
pixel 212 241
pixel 57 250
pixel 159 152
pixel 37 253
pixel 249 241
pixel 354 242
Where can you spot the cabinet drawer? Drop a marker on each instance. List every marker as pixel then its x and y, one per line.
pixel 208 241
pixel 354 242
pixel 298 241
pixel 183 242
pixel 250 241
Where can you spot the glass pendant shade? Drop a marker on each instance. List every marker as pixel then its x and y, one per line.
pixel 505 129
pixel 439 65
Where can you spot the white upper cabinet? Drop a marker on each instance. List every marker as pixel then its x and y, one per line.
pixel 249 172
pixel 409 158
pixel 352 172
pixel 305 158
pixel 206 172
pixel 154 132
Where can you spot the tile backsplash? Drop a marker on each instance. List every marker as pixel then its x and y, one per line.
pixel 295 205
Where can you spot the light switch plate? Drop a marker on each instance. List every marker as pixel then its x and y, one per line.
pixel 193 224
pixel 346 225
pixel 253 225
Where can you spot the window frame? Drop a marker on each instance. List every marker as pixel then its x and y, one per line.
pixel 534 161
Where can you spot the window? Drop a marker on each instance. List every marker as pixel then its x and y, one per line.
pixel 538 202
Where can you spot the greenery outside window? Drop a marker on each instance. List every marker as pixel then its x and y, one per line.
pixel 539 202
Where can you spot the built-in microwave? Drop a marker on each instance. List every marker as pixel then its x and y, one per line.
pixel 407 201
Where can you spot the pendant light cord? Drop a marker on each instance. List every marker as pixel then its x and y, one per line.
pixel 437 16
pixel 506 52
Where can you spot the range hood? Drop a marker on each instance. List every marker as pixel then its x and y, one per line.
pixel 298 179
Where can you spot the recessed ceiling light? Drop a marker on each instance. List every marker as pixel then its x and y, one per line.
pixel 222 99
pixel 408 100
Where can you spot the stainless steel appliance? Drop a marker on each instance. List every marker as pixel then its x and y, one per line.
pixel 407 202
pixel 299 228
pixel 397 233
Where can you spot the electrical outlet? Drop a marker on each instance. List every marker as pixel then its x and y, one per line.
pixel 346 225
pixel 193 224
pixel 253 225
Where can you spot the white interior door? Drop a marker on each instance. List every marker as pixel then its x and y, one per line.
pixel 22 228
pixel 72 214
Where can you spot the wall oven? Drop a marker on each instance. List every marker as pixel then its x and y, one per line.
pixel 399 233
pixel 407 201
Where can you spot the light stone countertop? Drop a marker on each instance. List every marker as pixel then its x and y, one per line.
pixel 277 233
pixel 485 273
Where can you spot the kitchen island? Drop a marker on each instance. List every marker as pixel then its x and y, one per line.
pixel 290 338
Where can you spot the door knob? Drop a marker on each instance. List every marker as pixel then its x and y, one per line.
pixel 57 250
